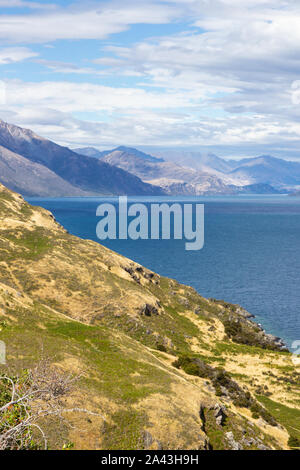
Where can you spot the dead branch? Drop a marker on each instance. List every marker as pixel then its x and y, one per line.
pixel 29 398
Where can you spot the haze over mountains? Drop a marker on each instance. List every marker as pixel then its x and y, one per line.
pixel 35 166
pixel 195 173
pixel 282 174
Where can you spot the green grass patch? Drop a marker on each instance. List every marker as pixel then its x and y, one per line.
pixel 288 417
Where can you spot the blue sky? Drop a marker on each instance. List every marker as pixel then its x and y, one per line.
pixel 218 75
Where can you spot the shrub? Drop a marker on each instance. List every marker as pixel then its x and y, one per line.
pixel 161 347
pixel 259 411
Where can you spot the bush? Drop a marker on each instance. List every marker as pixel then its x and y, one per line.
pixel 191 369
pixel 259 412
pixel 161 347
pixel 193 366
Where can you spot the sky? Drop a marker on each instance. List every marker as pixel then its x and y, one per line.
pixel 208 75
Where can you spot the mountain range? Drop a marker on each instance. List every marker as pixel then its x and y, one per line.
pixel 35 166
pixel 281 174
pixel 208 174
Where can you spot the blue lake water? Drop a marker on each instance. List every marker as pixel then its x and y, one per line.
pixel 251 254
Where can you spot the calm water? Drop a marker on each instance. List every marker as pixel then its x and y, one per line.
pixel 251 254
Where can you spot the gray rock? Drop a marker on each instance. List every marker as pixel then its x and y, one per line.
pixel 148 439
pixel 232 442
pixel 263 447
pixel 148 310
pixel 241 311
pixel 220 414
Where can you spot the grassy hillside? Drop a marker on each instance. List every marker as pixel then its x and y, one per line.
pixel 160 366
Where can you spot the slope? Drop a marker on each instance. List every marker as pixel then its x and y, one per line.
pixel 161 367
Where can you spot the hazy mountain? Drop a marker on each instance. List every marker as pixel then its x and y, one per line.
pixel 257 188
pixel 264 169
pixel 267 169
pixel 86 174
pixel 33 165
pixel 180 180
pixel 92 152
pixel 210 185
pixel 153 170
pixel 199 161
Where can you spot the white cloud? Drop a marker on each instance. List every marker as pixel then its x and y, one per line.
pixel 244 62
pixel 68 68
pixel 15 54
pixel 136 117
pixel 97 20
pixel 232 77
pixel 86 97
pixel 25 4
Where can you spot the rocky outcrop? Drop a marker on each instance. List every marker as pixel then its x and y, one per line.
pixel 148 310
pixel 220 414
pixel 233 444
pixel 241 329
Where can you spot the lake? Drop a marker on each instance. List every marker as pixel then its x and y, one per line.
pixel 251 254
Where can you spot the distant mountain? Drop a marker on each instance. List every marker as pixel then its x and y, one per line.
pixel 71 174
pixel 92 152
pixel 267 169
pixel 210 185
pixel 264 169
pixel 179 180
pixel 257 188
pixel 36 166
pixel 149 170
pixel 138 153
pixel 199 161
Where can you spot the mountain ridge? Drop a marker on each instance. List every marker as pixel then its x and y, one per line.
pixel 264 169
pixel 51 170
pixel 93 152
pixel 87 175
pixel 175 179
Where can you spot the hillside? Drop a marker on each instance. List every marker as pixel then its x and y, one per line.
pixel 161 367
pixel 45 168
pixel 31 178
